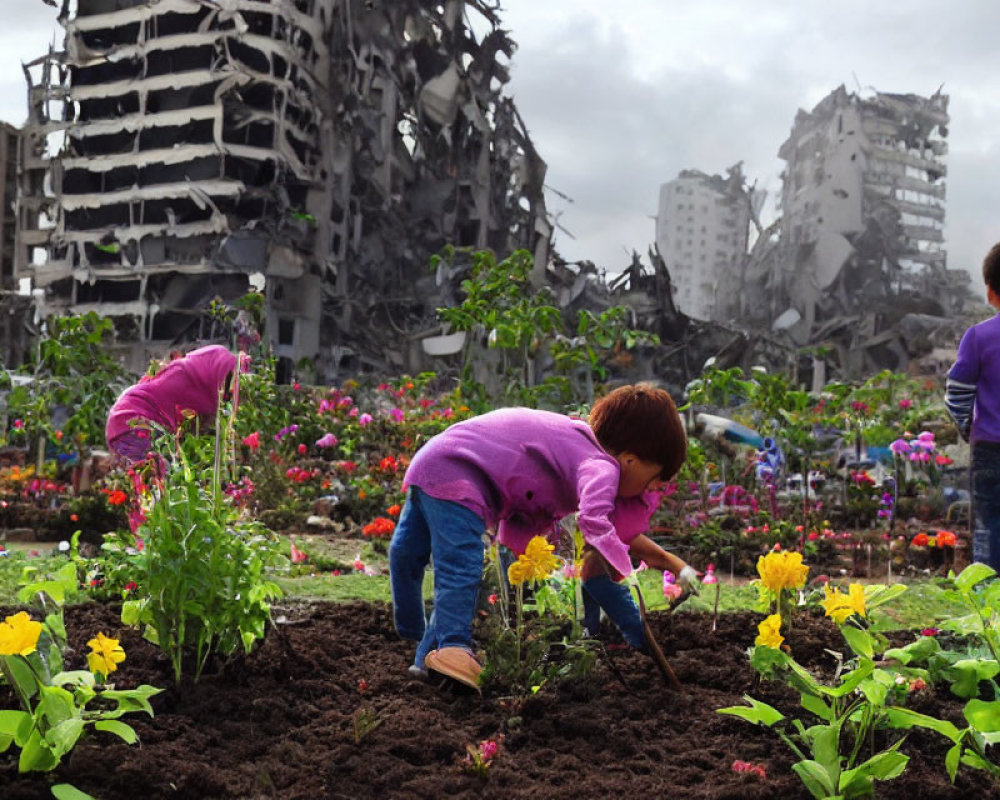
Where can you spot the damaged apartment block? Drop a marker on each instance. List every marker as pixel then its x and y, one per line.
pixel 184 150
pixel 859 267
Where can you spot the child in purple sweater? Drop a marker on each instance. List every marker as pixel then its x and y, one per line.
pixel 973 400
pixel 519 471
pixel 189 384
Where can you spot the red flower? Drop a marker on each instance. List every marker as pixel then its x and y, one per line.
pixel 362 685
pixel 492 599
pixel 74 518
pixel 131 586
pixel 379 528
pixel 117 498
pixel 749 768
pixel 921 540
pixel 393 511
pixel 943 461
pixel 930 632
pixel 253 441
pixel 945 539
pixel 302 449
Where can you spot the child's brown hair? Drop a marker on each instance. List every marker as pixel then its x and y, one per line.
pixel 641 420
pixel 991 268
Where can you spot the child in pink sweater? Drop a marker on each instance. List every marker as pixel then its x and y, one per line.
pixel 520 471
pixel 187 385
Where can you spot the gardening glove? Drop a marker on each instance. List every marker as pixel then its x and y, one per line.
pixel 616 600
pixel 688 579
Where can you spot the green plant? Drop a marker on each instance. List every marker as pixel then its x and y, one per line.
pixel 201 576
pixel 57 706
pixel 831 763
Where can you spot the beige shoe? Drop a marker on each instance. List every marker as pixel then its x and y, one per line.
pixel 457 663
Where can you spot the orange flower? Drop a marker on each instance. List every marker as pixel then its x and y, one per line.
pixel 945 539
pixel 117 498
pixel 393 511
pixel 379 528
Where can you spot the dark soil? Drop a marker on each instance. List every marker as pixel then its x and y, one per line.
pixel 280 722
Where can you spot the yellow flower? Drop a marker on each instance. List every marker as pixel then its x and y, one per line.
pixel 782 570
pixel 840 606
pixel 106 654
pixel 769 632
pixel 19 635
pixel 536 564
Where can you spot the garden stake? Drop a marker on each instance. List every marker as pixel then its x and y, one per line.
pixel 654 648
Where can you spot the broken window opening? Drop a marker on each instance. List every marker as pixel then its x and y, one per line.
pixel 108 291
pixel 197 131
pixel 173 24
pixel 106 38
pixel 248 56
pixel 106 72
pixel 182 59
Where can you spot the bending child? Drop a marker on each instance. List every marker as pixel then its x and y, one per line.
pixel 187 385
pixel 520 471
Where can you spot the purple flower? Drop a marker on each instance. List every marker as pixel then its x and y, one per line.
pixel 900 446
pixel 328 440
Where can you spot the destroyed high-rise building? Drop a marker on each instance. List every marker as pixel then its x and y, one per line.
pixel 702 226
pixel 325 147
pixel 10 147
pixel 860 266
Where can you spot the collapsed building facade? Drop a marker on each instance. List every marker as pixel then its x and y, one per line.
pixel 15 307
pixel 856 264
pixel 322 148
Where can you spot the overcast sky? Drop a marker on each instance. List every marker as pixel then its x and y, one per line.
pixel 619 97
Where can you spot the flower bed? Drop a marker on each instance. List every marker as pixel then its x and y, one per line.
pixel 324 708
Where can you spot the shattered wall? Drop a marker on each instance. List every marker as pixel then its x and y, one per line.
pixel 862 217
pixel 330 146
pixel 702 227
pixel 10 146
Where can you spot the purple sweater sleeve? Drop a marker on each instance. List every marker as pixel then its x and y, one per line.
pixel 597 486
pixel 960 387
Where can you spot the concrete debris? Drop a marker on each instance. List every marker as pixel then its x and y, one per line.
pixel 325 147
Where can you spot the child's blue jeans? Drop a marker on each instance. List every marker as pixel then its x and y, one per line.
pixel 454 536
pixel 986 503
pixel 616 600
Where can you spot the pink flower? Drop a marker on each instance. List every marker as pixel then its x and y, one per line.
pixel 492 599
pixel 298 556
pixel 253 441
pixel 397 415
pixel 364 419
pixel 710 576
pixel 905 403
pixel 930 632
pixel 359 565
pixel 354 412
pixel 900 446
pixel 18 424
pixel 302 449
pixel 327 440
pixel 750 769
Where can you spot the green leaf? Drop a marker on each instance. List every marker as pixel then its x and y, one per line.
pixel 815 779
pixel 36 755
pixel 64 736
pixel 10 722
pixel 883 767
pixel 66 791
pixel 905 718
pixel 120 729
pixel 973 574
pixel 984 716
pixel 817 705
pixel 859 640
pixel 759 713
pixel 951 761
pixel 826 748
pixel 915 652
pixel 878 594
pixel 966 674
